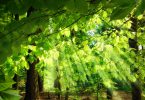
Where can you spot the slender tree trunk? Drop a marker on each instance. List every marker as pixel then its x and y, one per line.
pixel 67 94
pixel 40 83
pixel 57 84
pixel 97 97
pixel 109 94
pixel 136 86
pixel 136 90
pixel 15 85
pixel 32 88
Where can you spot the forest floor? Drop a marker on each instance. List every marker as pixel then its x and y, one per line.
pixel 117 95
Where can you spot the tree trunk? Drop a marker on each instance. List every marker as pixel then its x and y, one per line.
pixel 32 88
pixel 136 86
pixel 67 94
pixel 57 86
pixel 15 85
pixel 40 83
pixel 136 90
pixel 109 94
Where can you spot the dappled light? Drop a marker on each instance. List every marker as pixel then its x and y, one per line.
pixel 72 50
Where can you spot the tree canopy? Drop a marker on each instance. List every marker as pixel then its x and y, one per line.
pixel 58 14
pixel 87 39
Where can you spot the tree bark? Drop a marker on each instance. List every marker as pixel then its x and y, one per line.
pixel 67 94
pixel 57 84
pixel 136 90
pixel 136 86
pixel 40 83
pixel 15 85
pixel 32 88
pixel 109 94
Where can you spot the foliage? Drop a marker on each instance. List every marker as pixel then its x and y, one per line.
pixel 6 93
pixel 86 40
pixel 14 33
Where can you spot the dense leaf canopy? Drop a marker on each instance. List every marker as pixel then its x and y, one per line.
pixel 87 39
pixel 57 14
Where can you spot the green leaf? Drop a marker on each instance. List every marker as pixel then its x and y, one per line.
pixel 122 3
pixel 140 8
pixel 1 98
pixel 141 39
pixel 10 95
pixel 5 85
pixel 77 6
pixel 120 13
pixel 123 8
pixel 54 4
